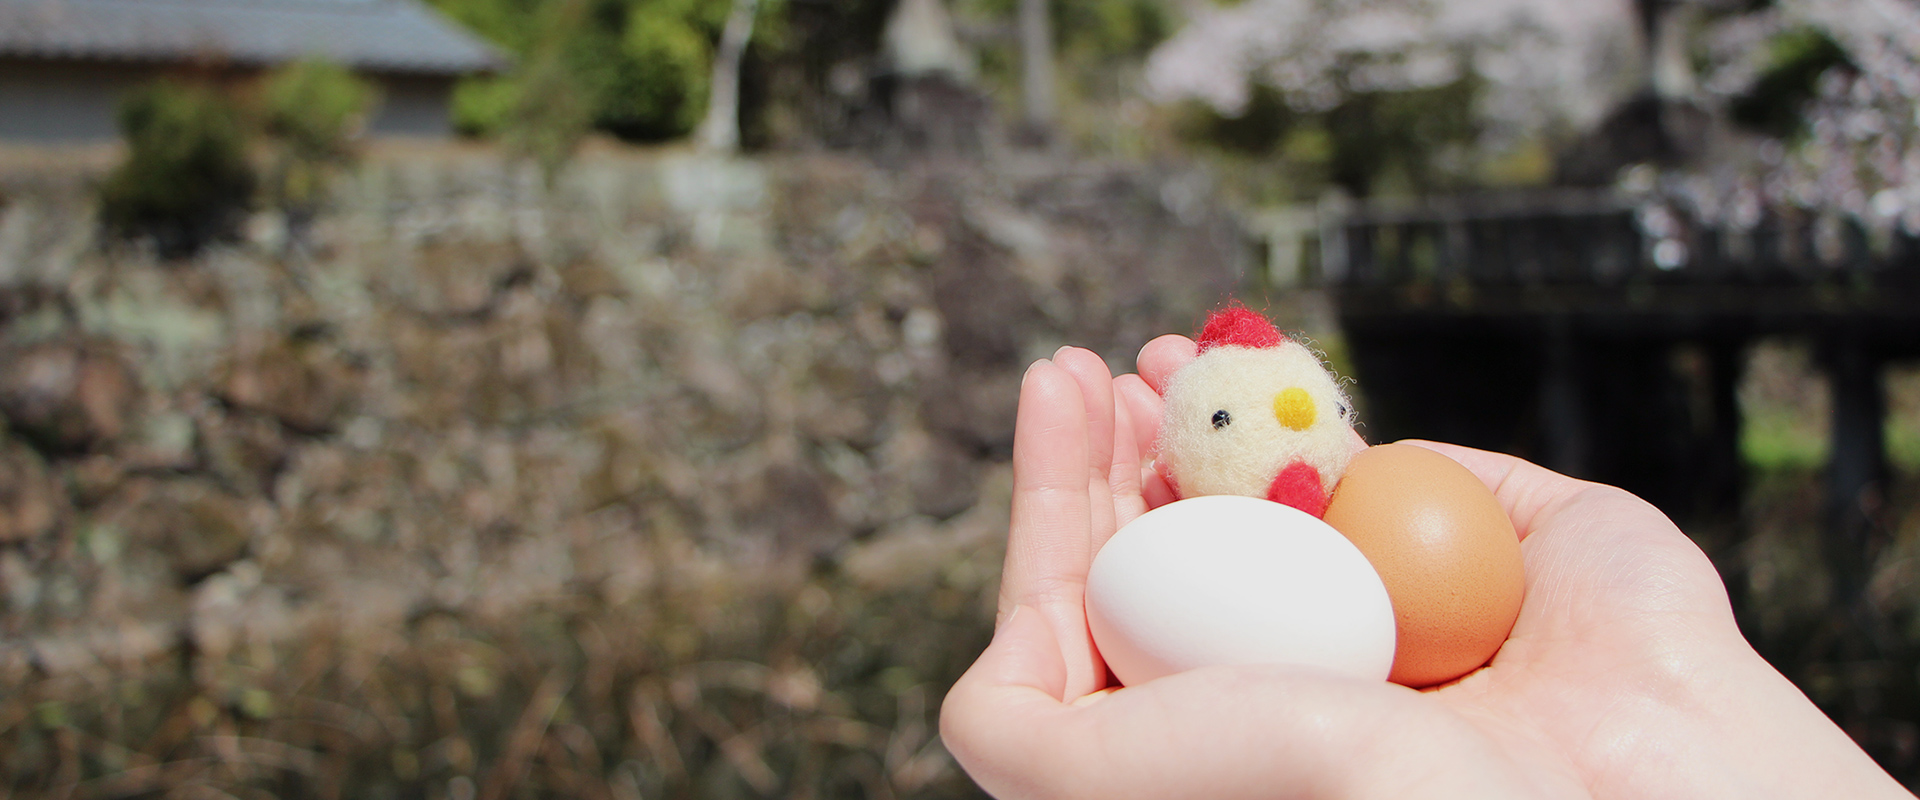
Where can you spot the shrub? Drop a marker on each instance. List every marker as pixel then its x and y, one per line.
pixel 483 105
pixel 639 68
pixel 312 113
pixel 548 116
pixel 186 181
pixel 663 87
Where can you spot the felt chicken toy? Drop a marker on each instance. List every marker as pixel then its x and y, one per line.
pixel 1256 414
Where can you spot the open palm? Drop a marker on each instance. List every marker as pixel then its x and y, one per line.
pixel 1625 675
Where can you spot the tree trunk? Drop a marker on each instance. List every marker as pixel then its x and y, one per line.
pixel 1036 61
pixel 720 131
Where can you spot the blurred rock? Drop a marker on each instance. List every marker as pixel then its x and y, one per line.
pixel 245 450
pixel 94 478
pixel 199 527
pixel 165 440
pixel 990 309
pixel 921 551
pixel 301 384
pixel 67 397
pixel 789 505
pixel 724 201
pixel 169 320
pixel 32 503
pixel 974 408
pixel 938 476
pixel 456 278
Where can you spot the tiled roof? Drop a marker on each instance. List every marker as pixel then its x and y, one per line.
pixel 378 35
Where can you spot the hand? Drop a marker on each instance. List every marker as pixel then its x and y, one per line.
pixel 1625 675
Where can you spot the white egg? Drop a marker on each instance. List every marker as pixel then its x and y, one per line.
pixel 1236 580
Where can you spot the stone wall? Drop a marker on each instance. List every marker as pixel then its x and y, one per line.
pixel 464 393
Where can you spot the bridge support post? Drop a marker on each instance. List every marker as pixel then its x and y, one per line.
pixel 1563 403
pixel 1722 483
pixel 1856 469
pixel 1724 478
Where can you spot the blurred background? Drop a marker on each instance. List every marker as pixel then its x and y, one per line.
pixel 613 398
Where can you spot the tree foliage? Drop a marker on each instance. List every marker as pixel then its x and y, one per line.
pixel 1109 30
pixel 662 89
pixel 643 67
pixel 547 114
pixel 1392 96
pixel 312 113
pixel 639 67
pixel 1824 101
pixel 186 181
pixel 1775 103
pixel 1096 43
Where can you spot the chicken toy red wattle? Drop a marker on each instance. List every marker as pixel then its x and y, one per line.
pixel 1256 414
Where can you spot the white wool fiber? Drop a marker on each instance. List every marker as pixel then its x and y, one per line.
pixel 1243 456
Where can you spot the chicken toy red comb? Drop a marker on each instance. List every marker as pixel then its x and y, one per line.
pixel 1239 326
pixel 1255 414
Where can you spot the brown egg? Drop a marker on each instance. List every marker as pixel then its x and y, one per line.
pixel 1444 548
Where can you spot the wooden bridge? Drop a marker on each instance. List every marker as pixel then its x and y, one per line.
pixel 1604 335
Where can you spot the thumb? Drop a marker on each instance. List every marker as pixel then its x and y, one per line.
pixel 1025 653
pixel 1015 683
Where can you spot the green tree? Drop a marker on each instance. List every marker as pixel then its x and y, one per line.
pixel 1370 142
pixel 642 68
pixel 1797 58
pixel 548 114
pixel 661 90
pixel 312 113
pixel 186 181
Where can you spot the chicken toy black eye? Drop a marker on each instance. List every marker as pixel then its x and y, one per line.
pixel 1221 418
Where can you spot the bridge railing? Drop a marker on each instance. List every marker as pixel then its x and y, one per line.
pixel 1571 237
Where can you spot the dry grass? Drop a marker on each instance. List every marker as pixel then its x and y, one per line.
pixel 810 688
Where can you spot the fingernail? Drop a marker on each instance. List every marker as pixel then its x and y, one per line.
pixel 1089 699
pixel 1063 348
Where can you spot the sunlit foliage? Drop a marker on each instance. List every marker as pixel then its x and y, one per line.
pixel 312 113
pixel 186 181
pixel 640 67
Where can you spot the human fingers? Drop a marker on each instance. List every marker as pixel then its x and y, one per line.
pixel 1157 362
pixel 1627 656
pixel 1128 503
pixel 1018 681
pixel 1589 537
pixel 1096 394
pixel 1049 539
pixel 1154 488
pixel 1224 732
pixel 1160 358
pixel 1144 408
pixel 1525 489
pixel 1598 559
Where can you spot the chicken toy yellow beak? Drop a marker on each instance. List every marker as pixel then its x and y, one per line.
pixel 1294 408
